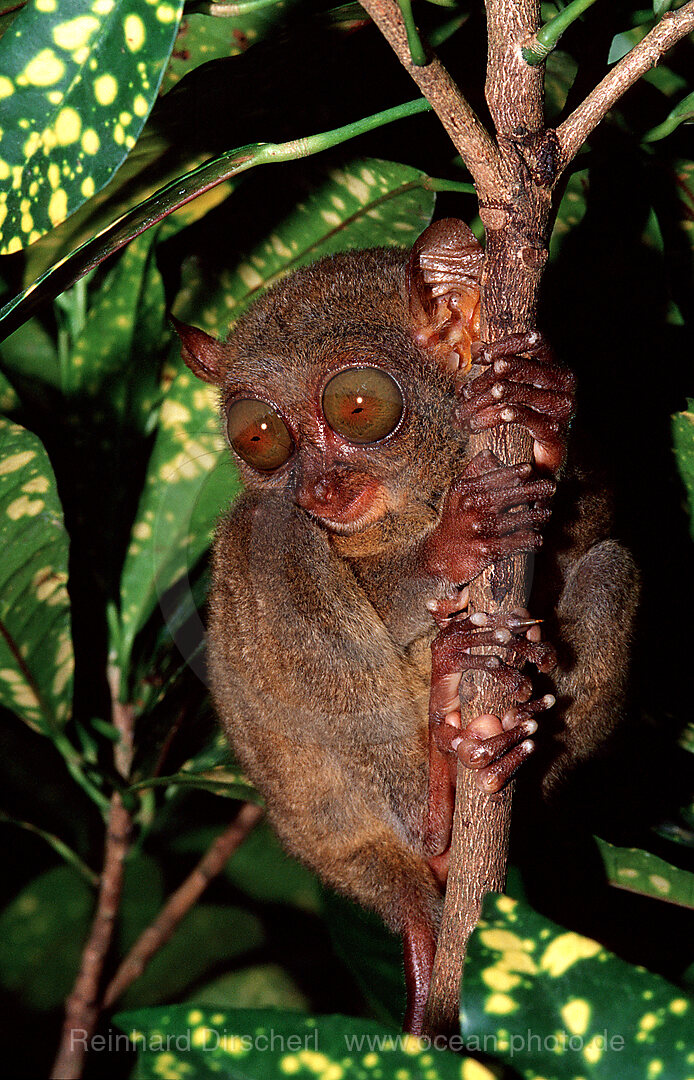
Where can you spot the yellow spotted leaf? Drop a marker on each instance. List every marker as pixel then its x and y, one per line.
pixel 552 1003
pixel 256 1044
pixel 77 82
pixel 36 658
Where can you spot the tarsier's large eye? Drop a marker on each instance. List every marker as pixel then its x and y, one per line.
pixel 258 434
pixel 363 404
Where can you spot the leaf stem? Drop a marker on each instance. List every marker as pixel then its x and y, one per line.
pixel 73 763
pixel 681 114
pixel 180 192
pixel 417 52
pixel 64 850
pixel 545 40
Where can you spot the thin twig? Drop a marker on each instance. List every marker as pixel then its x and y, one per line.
pixel 180 902
pixel 466 130
pixel 82 1007
pixel 574 131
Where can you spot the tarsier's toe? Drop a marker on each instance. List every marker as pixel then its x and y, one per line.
pixel 494 751
pixel 496 776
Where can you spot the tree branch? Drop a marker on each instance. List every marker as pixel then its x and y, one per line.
pixel 517 224
pixel 82 1007
pixel 468 134
pixel 574 131
pixel 181 901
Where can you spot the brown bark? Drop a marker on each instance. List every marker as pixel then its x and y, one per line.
pixel 517 223
pixel 469 136
pixel 83 1007
pixel 514 178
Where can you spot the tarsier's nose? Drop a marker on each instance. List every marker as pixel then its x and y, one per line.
pixel 326 489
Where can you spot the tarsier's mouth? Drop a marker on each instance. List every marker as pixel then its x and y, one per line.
pixel 368 507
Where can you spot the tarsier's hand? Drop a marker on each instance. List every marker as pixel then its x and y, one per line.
pixel 532 389
pixel 494 747
pixel 490 511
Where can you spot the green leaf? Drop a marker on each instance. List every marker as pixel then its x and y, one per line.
pixel 36 659
pixel 201 38
pixel 371 953
pixel 556 1005
pixel 686 739
pixel 77 86
pixel 190 479
pixel 141 901
pixel 571 211
pixel 263 986
pixel 623 43
pixel 260 868
pixel 365 203
pixel 175 195
pixel 683 440
pixel 644 873
pixel 683 113
pixel 9 401
pixel 42 933
pixel 31 353
pixel 243 1044
pixel 210 936
pixel 118 354
pixel 216 781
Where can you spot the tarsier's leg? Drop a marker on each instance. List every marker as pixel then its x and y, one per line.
pixel 595 618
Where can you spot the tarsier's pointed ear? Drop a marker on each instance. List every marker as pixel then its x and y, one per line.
pixel 443 277
pixel 204 355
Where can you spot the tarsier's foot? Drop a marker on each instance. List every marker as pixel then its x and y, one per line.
pixel 532 389
pixel 491 510
pixel 493 747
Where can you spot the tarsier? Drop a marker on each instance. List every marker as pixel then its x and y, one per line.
pixel 338 622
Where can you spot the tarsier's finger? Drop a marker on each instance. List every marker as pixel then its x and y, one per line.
pixel 542 374
pixel 504 524
pixel 539 653
pixel 501 496
pixel 542 428
pixel 519 713
pixel 551 403
pixel 533 342
pixel 510 545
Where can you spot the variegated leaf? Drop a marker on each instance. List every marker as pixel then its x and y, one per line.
pixel 36 659
pixel 77 83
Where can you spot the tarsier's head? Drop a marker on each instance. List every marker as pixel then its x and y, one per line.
pixel 337 385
